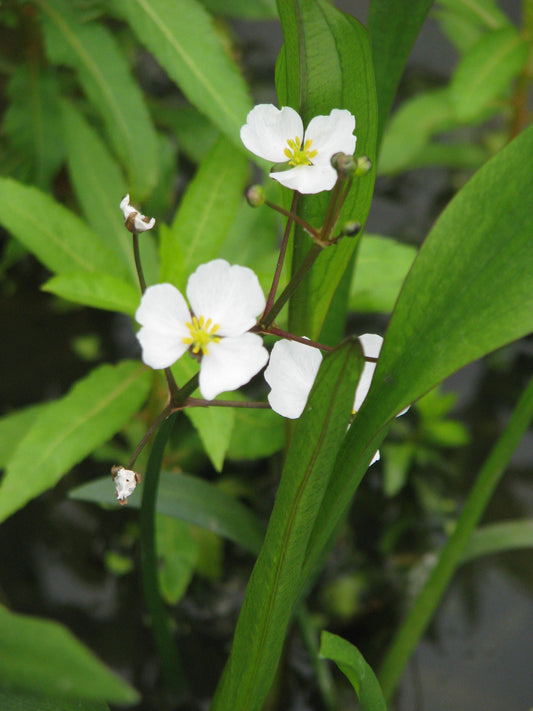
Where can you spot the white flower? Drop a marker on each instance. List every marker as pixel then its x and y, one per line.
pixel 125 481
pixel 225 302
pixel 291 373
pixel 135 222
pixel 278 135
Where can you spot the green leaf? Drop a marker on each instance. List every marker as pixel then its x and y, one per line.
pixel 182 38
pixel 353 665
pixel 13 427
pixel 42 657
pixel 190 499
pixel 256 434
pixel 273 587
pixel 330 51
pixel 469 292
pixel 257 10
pixel 499 538
pixel 91 50
pixel 32 121
pixel 69 429
pixel 486 71
pixel 382 265
pixel 205 215
pixel 98 183
pixel 177 552
pixel 195 134
pixel 213 424
pixel 19 701
pixel 57 237
pixel 485 13
pixel 101 291
pixel 393 27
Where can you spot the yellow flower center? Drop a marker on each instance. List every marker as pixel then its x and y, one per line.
pixel 202 333
pixel 297 154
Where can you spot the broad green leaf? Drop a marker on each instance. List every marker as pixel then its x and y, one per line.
pixel 353 665
pixel 190 499
pixel 20 701
pixel 194 133
pixel 486 71
pixel 205 214
pixel 177 553
pixel 13 427
pixel 42 657
pixel 101 291
pixel 382 265
pixel 57 237
pixel 393 27
pixel 485 13
pixel 90 49
pixel 183 39
pixel 99 184
pixel 273 587
pixel 256 434
pixel 69 429
pixel 469 292
pixel 257 10
pixel 32 121
pixel 326 63
pixel 499 538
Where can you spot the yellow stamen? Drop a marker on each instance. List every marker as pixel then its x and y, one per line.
pixel 298 155
pixel 202 333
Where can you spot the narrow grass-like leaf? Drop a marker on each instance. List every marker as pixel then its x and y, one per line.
pixel 99 184
pixel 353 665
pixel 326 63
pixel 486 71
pixel 101 291
pixel 42 657
pixel 57 237
pixel 191 499
pixel 182 38
pixel 499 538
pixel 205 215
pixel 91 50
pixel 70 428
pixel 393 27
pixel 273 587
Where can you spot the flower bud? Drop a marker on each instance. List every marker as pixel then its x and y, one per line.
pixel 344 165
pixel 255 195
pixel 363 166
pixel 125 481
pixel 351 229
pixel 134 221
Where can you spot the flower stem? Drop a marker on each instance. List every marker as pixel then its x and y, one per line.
pixel 283 249
pixel 338 196
pixel 147 435
pixel 424 607
pixel 138 265
pixel 199 402
pixel 275 331
pixel 180 401
pixel 291 287
pixel 293 217
pixel 161 629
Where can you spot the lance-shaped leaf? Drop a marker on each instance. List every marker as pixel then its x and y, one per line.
pixel 55 235
pixel 205 214
pixel 469 292
pixel 273 588
pixel 326 63
pixel 101 291
pixel 91 50
pixel 21 701
pixel 183 39
pixel 69 429
pixel 353 665
pixel 44 658
pixel 194 500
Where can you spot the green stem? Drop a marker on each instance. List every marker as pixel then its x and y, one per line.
pixel 424 607
pixel 161 628
pixel 291 287
pixel 284 242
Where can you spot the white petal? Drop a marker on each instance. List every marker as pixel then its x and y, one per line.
pixel 331 134
pixel 142 223
pixel 126 207
pixel 125 481
pixel 229 295
pixel 231 363
pixel 375 458
pixel 291 373
pixel 371 344
pixel 308 179
pixel 267 130
pixel 163 313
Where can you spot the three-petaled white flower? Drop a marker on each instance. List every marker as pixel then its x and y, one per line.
pixel 278 135
pixel 125 481
pixel 135 222
pixel 225 302
pixel 292 370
